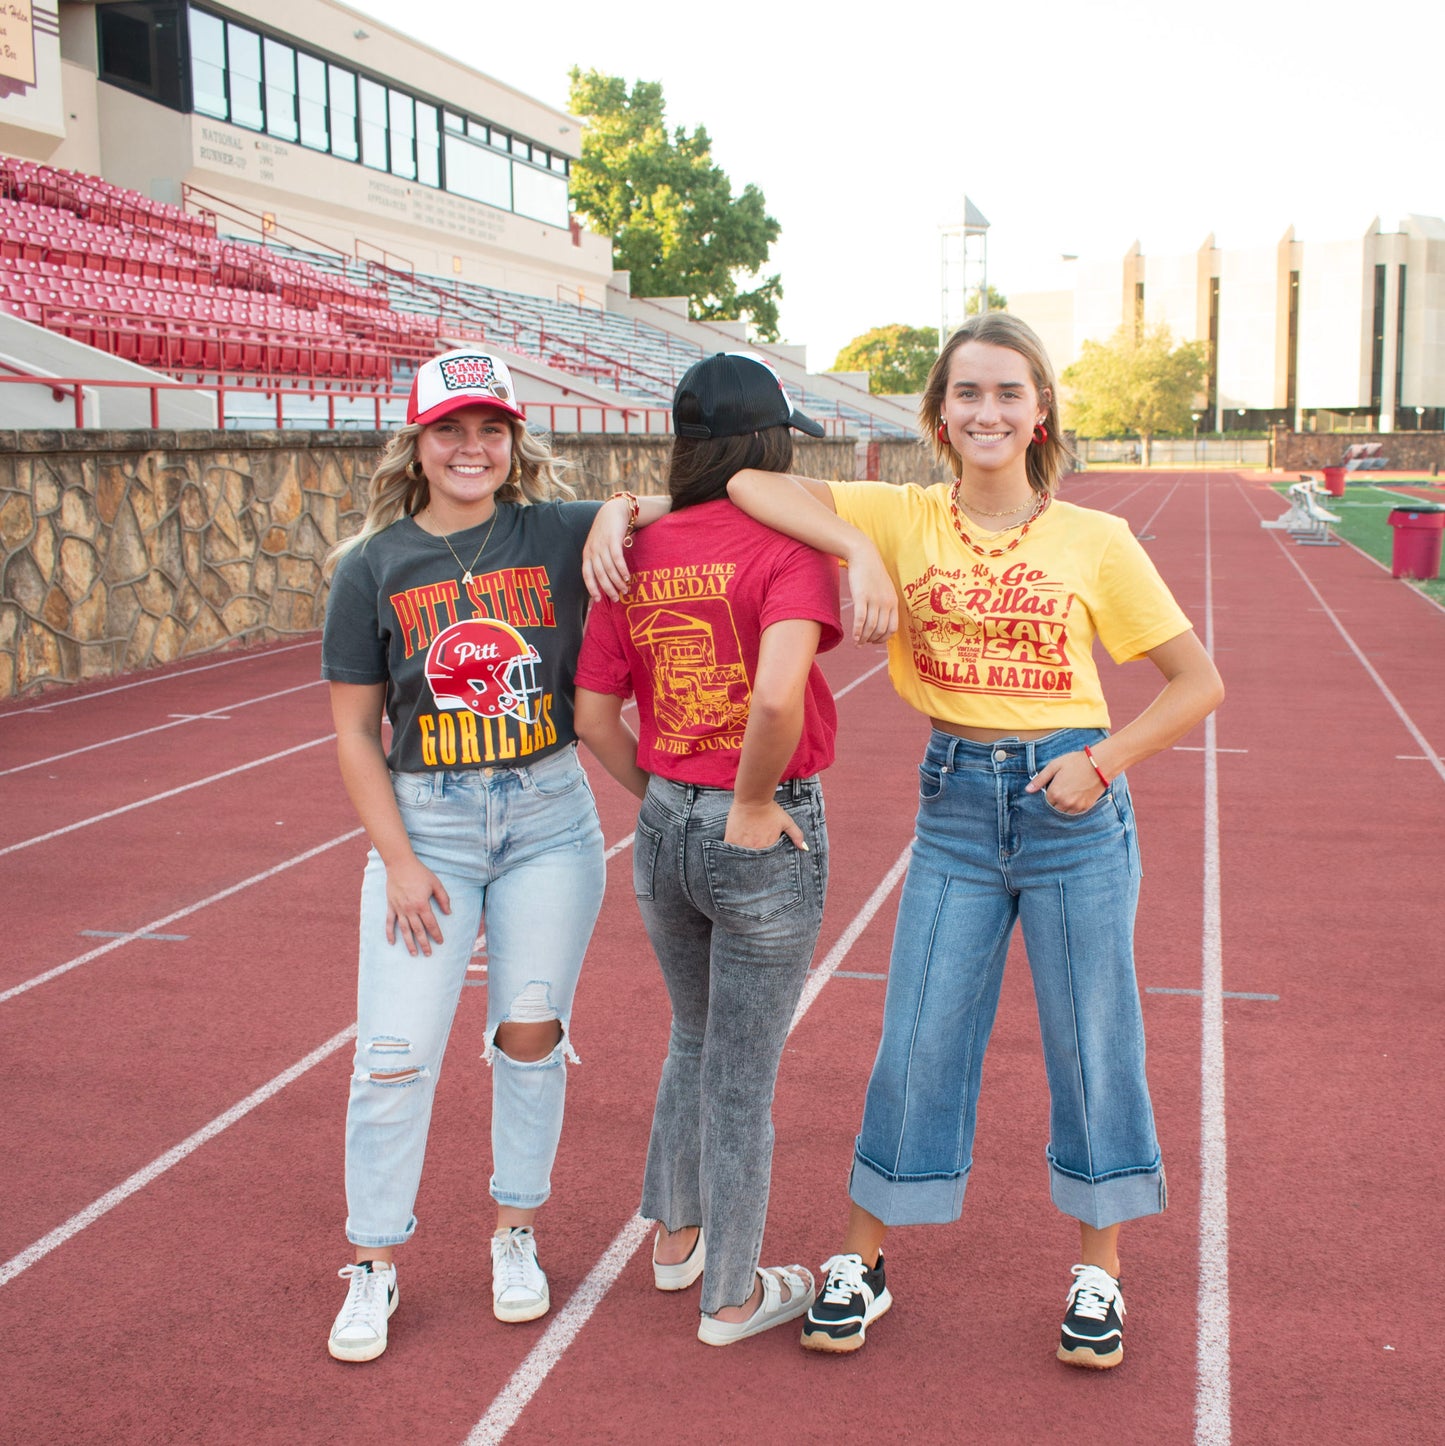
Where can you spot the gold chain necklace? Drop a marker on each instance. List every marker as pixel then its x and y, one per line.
pixel 467 571
pixel 1039 509
pixel 1007 512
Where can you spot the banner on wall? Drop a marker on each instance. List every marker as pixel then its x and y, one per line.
pixel 30 66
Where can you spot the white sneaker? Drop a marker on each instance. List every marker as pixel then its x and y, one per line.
pixel 359 1332
pixel 519 1288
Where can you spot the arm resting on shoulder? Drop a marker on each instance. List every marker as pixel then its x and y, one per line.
pixel 802 508
pixel 775 723
pixel 604 554
pixel 356 710
pixel 1192 690
pixel 597 718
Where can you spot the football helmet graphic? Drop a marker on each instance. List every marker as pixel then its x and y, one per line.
pixel 487 666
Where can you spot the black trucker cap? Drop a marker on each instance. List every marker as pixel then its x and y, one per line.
pixel 730 394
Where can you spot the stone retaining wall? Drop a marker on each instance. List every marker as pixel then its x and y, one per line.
pixel 1404 451
pixel 124 550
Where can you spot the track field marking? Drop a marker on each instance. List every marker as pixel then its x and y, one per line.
pixel 157 924
pixel 160 797
pixel 33 1254
pixel 529 1377
pixel 215 715
pixel 1194 748
pixel 1431 756
pixel 1227 993
pixel 158 678
pixel 862 678
pixel 1145 528
pixel 124 934
pixel 1212 1383
pixel 1384 567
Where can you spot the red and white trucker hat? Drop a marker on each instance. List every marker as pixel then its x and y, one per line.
pixel 465 377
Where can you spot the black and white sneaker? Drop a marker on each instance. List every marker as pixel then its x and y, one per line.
pixel 1093 1329
pixel 851 1299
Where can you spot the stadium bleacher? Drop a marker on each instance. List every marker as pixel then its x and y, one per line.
pixel 159 286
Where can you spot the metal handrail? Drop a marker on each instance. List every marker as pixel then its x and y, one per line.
pixel 76 386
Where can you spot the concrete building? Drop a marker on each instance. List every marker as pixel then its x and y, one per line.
pixel 311 120
pixel 1314 335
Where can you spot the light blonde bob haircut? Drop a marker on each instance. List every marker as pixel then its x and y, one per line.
pixel 1046 461
pixel 400 489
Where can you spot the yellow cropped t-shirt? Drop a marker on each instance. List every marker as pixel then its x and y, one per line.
pixel 1007 642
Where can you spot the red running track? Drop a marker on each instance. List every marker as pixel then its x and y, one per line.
pixel 177 981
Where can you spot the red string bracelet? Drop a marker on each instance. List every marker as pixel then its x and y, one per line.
pixel 1089 754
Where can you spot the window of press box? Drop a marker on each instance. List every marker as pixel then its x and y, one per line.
pixel 243 72
pixel 341 86
pixel 208 64
pixel 280 89
pixel 311 86
pixel 141 49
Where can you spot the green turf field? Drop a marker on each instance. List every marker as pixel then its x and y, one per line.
pixel 1364 520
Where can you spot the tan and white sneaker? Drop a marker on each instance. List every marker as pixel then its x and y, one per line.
pixel 519 1288
pixel 359 1331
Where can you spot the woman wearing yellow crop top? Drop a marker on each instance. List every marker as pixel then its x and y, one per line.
pixel 1024 814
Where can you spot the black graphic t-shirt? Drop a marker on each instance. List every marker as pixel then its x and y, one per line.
pixel 478 675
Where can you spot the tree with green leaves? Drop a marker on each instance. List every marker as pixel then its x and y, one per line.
pixel 997 301
pixel 1139 383
pixel 896 358
pixel 674 220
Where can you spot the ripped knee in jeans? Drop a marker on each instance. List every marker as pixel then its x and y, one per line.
pixel 532 1033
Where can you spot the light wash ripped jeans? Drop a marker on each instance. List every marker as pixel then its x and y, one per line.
pixel 733 930
pixel 523 847
pixel 985 855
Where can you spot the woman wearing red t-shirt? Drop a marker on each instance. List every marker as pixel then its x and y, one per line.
pixel 715 635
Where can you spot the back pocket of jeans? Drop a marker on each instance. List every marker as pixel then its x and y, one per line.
pixel 645 845
pixel 754 884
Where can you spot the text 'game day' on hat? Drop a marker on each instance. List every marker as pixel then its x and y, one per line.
pixel 466 377
pixel 731 394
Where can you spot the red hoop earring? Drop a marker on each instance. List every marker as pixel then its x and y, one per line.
pixel 943 433
pixel 1041 433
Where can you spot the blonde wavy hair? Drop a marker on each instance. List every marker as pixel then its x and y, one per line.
pixel 1046 462
pixel 399 487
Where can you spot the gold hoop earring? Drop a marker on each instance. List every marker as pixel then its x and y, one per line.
pixel 413 470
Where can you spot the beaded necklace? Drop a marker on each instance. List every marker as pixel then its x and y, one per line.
pixel 1040 507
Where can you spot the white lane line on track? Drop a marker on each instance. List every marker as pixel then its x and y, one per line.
pixel 1212 1383
pixel 529 1377
pixel 156 925
pixel 215 714
pixel 861 678
pixel 143 1177
pixel 159 797
pixel 158 678
pixel 1144 527
pixel 1432 757
pixel 1385 567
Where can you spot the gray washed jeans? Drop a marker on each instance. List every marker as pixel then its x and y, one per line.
pixel 733 930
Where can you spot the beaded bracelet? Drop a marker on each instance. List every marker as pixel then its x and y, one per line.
pixel 1089 754
pixel 634 508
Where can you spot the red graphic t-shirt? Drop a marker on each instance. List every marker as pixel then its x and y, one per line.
pixel 706 582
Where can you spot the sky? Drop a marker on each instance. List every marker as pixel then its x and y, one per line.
pixel 1076 128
